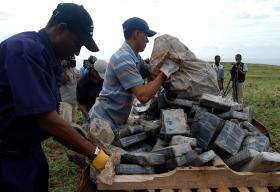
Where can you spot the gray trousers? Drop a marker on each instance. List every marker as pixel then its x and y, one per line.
pixel 68 111
pixel 237 92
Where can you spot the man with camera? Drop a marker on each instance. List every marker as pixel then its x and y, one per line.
pixel 87 64
pixel 70 76
pixel 238 74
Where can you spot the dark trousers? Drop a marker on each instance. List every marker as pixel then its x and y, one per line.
pixel 29 173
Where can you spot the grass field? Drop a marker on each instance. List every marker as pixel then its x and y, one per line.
pixel 262 91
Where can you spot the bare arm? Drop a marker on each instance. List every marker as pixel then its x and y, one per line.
pixel 64 77
pixel 60 130
pixel 242 72
pixel 145 92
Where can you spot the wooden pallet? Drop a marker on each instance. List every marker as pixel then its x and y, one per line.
pixel 218 177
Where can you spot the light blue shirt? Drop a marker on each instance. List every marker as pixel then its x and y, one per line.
pixel 115 100
pixel 83 71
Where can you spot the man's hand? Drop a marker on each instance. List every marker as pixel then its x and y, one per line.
pixel 169 67
pixel 89 65
pixel 100 160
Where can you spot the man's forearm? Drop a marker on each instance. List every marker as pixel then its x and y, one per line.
pixel 65 134
pixel 145 92
pixel 242 72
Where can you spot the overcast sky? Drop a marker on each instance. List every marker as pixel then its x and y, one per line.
pixel 224 27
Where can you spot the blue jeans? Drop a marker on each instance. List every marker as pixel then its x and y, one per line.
pixel 29 173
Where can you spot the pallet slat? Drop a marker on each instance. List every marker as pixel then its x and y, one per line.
pixel 243 189
pixel 203 190
pixel 260 189
pixel 223 189
pixel 193 177
pixel 184 190
pixel 218 162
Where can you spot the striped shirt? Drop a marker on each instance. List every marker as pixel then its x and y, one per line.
pixel 115 99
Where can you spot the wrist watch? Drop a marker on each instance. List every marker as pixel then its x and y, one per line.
pixel 94 155
pixel 96 151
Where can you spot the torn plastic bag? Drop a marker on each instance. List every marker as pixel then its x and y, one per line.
pixel 194 76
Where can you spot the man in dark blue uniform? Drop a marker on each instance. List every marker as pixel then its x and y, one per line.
pixel 29 95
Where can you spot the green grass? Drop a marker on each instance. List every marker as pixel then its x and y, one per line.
pixel 262 91
pixel 63 173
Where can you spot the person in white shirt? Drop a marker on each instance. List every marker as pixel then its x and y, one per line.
pixel 68 105
pixel 219 68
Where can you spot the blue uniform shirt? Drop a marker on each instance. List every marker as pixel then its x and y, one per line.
pixel 29 77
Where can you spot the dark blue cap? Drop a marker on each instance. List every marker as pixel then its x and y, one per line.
pixel 78 21
pixel 136 23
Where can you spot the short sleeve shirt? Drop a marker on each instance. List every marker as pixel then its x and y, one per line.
pixel 122 74
pixel 219 70
pixel 245 67
pixel 29 84
pixel 83 71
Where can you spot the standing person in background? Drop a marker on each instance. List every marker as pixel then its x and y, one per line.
pixel 89 87
pixel 30 74
pixel 87 65
pixel 238 74
pixel 219 68
pixel 123 80
pixel 68 106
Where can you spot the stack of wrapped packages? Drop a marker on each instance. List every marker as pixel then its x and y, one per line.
pixel 187 123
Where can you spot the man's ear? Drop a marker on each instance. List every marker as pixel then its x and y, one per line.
pixel 138 33
pixel 135 34
pixel 62 27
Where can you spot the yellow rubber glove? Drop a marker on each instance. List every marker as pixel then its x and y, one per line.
pixel 100 160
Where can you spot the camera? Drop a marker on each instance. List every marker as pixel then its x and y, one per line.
pixel 85 62
pixel 71 62
pixel 92 59
pixel 234 67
